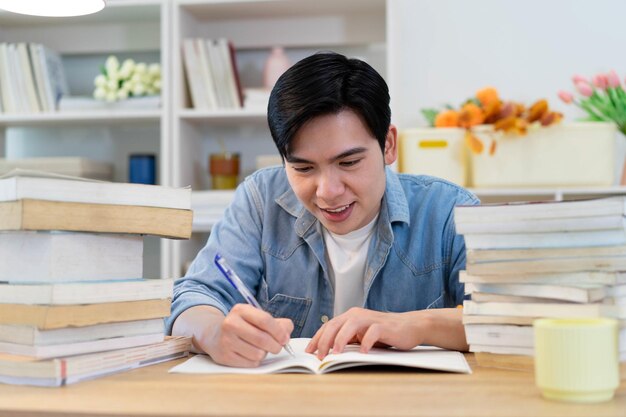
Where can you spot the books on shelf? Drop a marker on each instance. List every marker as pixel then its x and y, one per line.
pixel 31 335
pixel 580 294
pixel 422 357
pixel 69 370
pixel 76 315
pixel 68 256
pixel 511 276
pixel 212 74
pixel 585 238
pixel 27 214
pixel 86 292
pixel 21 184
pixel 554 310
pixel 73 166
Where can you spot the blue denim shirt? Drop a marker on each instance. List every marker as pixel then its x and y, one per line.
pixel 276 246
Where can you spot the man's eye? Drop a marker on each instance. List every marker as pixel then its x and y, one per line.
pixel 301 169
pixel 349 163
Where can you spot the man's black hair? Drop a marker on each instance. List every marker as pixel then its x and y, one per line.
pixel 327 83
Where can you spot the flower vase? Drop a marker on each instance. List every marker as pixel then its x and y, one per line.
pixel 277 63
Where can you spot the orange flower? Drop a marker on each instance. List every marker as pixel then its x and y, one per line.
pixel 551 118
pixel 470 115
pixel 473 142
pixel 487 96
pixel 447 118
pixel 537 111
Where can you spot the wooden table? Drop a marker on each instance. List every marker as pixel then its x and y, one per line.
pixel 152 391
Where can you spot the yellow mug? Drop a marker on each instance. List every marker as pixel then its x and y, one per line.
pixel 577 360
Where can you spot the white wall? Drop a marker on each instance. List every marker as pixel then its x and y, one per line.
pixel 448 49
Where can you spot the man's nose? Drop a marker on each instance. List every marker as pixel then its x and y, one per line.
pixel 330 185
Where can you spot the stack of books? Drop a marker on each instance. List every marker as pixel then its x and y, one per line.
pixel 548 259
pixel 64 165
pixel 211 73
pixel 73 301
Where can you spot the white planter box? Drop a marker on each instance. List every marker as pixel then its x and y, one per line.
pixel 434 151
pixel 574 154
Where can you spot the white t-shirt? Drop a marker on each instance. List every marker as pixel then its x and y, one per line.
pixel 347 256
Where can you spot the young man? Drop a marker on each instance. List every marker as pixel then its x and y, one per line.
pixel 334 245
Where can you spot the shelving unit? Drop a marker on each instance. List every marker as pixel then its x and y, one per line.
pixel 354 27
pixel 125 28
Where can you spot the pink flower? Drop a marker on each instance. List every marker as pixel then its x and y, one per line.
pixel 566 96
pixel 584 88
pixel 579 78
pixel 601 81
pixel 613 79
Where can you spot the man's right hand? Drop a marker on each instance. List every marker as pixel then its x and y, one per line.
pixel 242 338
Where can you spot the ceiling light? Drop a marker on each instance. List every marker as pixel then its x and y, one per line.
pixel 52 8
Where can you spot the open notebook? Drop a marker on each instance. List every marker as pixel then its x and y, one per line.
pixel 424 357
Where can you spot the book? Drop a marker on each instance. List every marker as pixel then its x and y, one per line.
pixel 537 210
pixel 422 357
pixel 31 335
pixel 29 214
pixel 483 297
pixel 86 292
pixel 491 319
pixel 566 224
pixel 69 370
pixel 77 348
pixel 52 74
pixel 499 335
pixel 581 294
pixel 74 166
pixel 69 256
pixel 54 317
pixel 193 75
pixel 226 50
pixel 511 276
pixel 556 310
pixel 19 184
pixel 28 82
pixel 503 255
pixel 549 265
pixel 585 238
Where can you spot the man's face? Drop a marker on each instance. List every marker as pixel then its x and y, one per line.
pixel 336 168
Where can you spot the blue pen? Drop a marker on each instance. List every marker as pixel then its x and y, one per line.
pixel 236 282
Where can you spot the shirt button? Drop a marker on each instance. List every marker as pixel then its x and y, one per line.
pixel 324 318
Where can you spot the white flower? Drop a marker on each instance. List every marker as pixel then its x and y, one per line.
pixel 122 94
pixel 112 64
pixel 112 85
pixel 141 68
pixel 100 81
pixel 154 70
pixel 99 93
pixel 111 96
pixel 139 89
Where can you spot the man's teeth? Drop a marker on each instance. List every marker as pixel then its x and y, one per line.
pixel 338 210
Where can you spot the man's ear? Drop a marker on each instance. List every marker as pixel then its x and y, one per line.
pixel 391 145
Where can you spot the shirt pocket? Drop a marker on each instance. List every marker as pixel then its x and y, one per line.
pixel 286 306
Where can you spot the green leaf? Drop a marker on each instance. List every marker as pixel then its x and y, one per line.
pixel 429 115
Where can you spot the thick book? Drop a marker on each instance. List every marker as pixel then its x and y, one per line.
pixel 578 239
pixel 487 319
pixel 57 372
pixel 77 315
pixel 69 256
pixel 530 211
pixel 555 310
pixel 28 214
pixel 86 292
pixel 78 348
pixel 484 297
pixel 565 224
pixel 511 276
pixel 581 294
pixel 548 265
pixel 422 357
pixel 19 184
pixel 31 335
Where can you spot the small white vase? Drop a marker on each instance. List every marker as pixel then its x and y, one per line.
pixel 277 63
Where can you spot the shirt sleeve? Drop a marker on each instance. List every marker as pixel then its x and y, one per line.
pixel 237 237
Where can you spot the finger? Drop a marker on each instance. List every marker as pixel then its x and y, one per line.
pixel 327 338
pixel 371 336
pixel 345 334
pixel 264 322
pixel 248 351
pixel 238 325
pixel 312 346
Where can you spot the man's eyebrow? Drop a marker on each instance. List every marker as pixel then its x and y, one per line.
pixel 296 160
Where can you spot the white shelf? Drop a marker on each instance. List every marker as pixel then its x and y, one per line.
pixel 227 116
pixel 80 118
